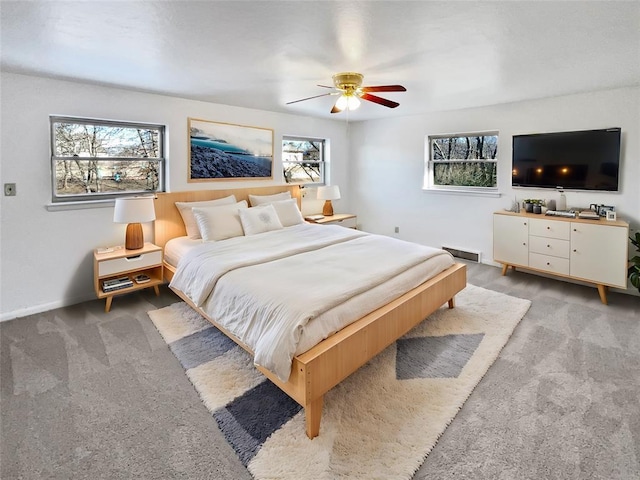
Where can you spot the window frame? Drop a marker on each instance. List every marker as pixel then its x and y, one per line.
pixel 323 160
pixel 88 198
pixel 429 162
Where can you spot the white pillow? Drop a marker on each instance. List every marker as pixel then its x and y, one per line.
pixel 220 222
pixel 259 220
pixel 189 220
pixel 288 212
pixel 263 199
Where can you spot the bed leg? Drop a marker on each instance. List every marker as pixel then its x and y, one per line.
pixel 313 413
pixel 452 302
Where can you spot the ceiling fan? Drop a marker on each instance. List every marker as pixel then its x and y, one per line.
pixel 349 87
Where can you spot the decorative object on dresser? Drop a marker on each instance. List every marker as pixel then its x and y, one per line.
pixel 533 205
pixel 601 209
pixel 118 270
pixel 573 248
pixel 134 211
pixel 397 406
pixel 562 201
pixel 328 193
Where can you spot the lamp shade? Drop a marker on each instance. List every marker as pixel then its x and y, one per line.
pixel 134 210
pixel 329 192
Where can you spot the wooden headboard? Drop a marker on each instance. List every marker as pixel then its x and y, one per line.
pixel 168 223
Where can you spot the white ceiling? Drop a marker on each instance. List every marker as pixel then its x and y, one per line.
pixel 262 54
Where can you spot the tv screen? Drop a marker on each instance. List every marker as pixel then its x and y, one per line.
pixel 581 160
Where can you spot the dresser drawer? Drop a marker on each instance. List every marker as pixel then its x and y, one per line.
pixel 346 222
pixel 550 228
pixel 549 263
pixel 549 246
pixel 124 264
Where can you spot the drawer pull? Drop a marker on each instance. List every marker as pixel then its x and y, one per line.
pixel 548 228
pixel 548 246
pixel 548 264
pixel 133 258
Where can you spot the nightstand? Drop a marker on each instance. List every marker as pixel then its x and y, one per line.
pixel 348 220
pixel 120 263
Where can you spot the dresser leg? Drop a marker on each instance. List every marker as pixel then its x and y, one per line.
pixel 107 306
pixel 505 267
pixel 602 291
pixel 157 290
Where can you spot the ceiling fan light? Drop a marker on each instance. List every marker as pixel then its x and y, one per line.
pixel 347 102
pixel 342 102
pixel 353 102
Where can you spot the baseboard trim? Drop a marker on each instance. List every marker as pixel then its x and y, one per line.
pixel 45 307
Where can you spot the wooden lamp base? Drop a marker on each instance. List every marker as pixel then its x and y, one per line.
pixel 327 210
pixel 134 239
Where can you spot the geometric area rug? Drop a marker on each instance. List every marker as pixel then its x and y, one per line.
pixel 380 423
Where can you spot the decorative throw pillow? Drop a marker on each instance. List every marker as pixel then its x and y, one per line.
pixel 185 209
pixel 288 212
pixel 256 200
pixel 220 222
pixel 259 220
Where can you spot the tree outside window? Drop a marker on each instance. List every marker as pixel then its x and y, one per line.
pixel 462 162
pixel 95 159
pixel 303 160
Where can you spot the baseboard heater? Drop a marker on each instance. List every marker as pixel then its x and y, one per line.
pixel 471 255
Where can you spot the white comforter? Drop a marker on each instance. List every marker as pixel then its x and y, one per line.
pixel 265 288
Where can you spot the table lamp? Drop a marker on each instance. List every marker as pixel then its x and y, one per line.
pixel 134 211
pixel 328 193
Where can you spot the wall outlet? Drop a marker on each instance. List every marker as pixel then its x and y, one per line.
pixel 9 189
pixel 397 230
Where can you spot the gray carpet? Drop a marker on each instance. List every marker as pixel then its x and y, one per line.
pixel 86 394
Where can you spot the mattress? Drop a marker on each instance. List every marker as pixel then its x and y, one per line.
pixel 176 248
pixel 283 292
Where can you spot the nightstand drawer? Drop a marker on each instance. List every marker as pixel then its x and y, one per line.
pixel 133 262
pixel 346 222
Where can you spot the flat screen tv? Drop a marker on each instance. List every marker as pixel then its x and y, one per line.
pixel 581 160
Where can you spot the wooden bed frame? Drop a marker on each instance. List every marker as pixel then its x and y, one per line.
pixel 316 371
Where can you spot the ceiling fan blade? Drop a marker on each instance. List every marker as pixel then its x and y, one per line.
pixel 335 110
pixel 385 88
pixel 326 86
pixel 379 100
pixel 309 98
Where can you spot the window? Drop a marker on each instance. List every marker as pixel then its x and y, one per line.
pixel 99 159
pixel 303 160
pixel 466 162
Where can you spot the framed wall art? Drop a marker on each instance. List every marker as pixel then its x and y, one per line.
pixel 224 151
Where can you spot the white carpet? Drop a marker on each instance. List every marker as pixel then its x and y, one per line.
pixel 379 423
